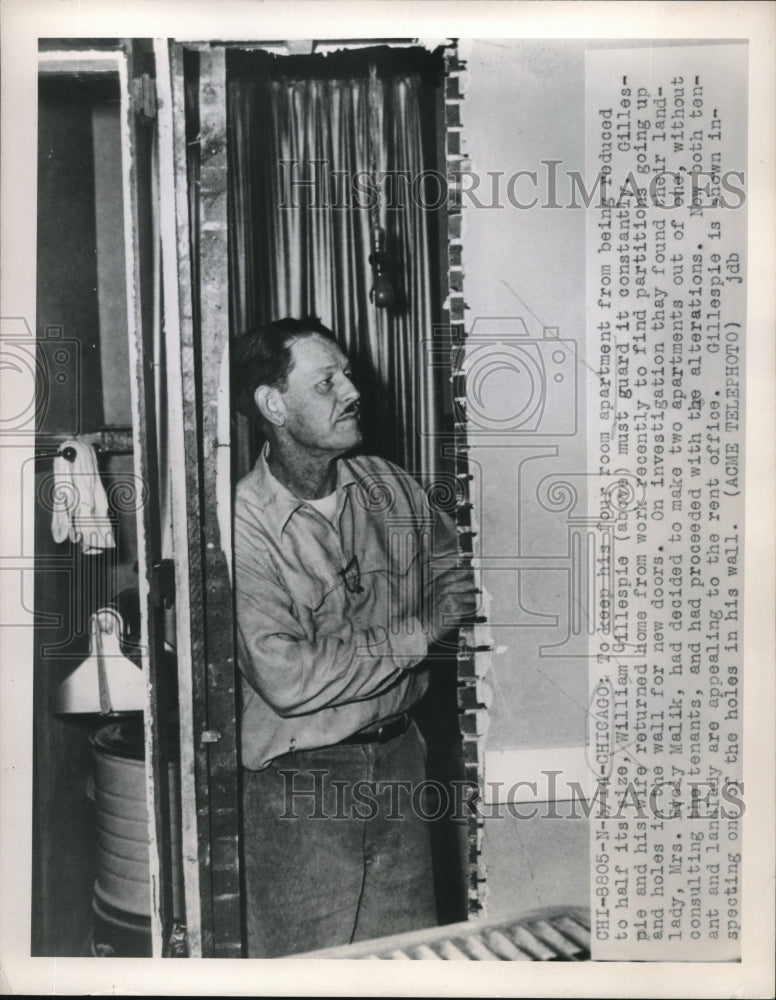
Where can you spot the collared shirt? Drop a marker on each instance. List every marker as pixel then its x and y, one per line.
pixel 328 628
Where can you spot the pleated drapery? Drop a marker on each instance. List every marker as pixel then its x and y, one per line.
pixel 302 202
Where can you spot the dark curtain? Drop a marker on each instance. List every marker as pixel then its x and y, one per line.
pixel 298 249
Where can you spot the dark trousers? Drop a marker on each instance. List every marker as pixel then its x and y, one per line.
pixel 335 846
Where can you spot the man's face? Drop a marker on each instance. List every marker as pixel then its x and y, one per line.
pixel 320 402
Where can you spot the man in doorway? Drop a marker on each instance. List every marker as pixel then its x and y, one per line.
pixel 343 577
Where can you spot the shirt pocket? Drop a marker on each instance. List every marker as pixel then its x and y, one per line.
pixel 325 603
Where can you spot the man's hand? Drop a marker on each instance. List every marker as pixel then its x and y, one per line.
pixel 450 597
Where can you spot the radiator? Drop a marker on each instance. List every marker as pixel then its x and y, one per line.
pixel 549 935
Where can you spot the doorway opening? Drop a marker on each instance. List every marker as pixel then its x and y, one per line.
pixel 322 151
pixel 97 654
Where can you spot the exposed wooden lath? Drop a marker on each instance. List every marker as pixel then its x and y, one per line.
pixel 558 935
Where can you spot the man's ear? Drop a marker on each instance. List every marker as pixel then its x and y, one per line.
pixel 270 404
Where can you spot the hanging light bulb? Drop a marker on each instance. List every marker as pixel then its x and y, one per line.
pixel 381 293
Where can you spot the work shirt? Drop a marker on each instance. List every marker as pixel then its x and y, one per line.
pixel 328 628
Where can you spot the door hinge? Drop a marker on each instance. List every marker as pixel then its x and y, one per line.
pixel 163 584
pixel 144 96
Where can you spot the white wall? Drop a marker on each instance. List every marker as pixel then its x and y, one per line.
pixel 524 103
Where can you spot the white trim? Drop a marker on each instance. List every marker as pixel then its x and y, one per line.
pixel 91 61
pixel 134 330
pixel 176 457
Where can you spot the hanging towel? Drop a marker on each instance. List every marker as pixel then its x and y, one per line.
pixel 80 507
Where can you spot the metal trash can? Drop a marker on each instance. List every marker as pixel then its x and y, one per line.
pixel 122 896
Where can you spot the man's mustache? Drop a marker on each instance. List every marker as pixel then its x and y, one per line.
pixel 353 409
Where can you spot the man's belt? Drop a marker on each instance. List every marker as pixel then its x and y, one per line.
pixel 386 731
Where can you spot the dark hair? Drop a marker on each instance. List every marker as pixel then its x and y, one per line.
pixel 263 356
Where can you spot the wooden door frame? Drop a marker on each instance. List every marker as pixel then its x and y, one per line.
pixel 197 321
pixel 197 309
